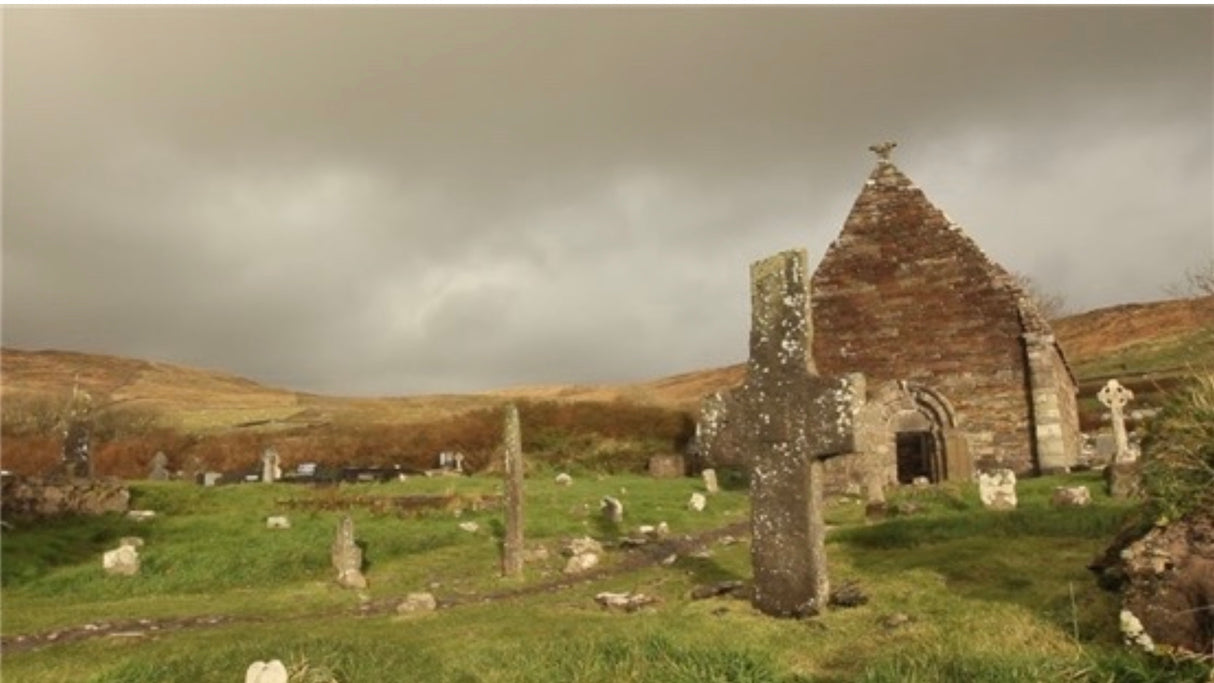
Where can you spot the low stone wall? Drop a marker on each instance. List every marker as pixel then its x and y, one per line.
pixel 38 497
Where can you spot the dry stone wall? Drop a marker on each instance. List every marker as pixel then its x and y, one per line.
pixel 26 497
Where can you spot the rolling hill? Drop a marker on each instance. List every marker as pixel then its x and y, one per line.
pixel 1138 343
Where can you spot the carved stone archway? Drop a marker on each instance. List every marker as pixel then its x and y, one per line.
pixel 912 418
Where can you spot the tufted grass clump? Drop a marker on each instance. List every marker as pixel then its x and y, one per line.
pixel 1178 451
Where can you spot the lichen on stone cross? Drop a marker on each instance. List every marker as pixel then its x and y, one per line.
pixel 790 420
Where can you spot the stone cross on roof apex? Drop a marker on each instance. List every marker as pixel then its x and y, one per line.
pixel 883 151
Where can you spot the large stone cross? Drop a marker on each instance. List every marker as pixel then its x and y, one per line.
pixel 1114 397
pixel 790 419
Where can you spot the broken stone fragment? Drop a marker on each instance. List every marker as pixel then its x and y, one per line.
pixel 417 602
pixel 697 503
pixel 629 602
pixel 895 620
pixel 1133 632
pixel 123 560
pixel 581 546
pixel 1071 496
pixel 580 563
pixel 272 671
pixel 278 522
pixel 848 595
pixel 997 489
pixel 563 479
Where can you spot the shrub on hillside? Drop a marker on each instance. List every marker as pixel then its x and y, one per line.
pixel 31 415
pixel 1178 451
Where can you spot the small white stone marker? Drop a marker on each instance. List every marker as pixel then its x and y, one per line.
pixel 272 671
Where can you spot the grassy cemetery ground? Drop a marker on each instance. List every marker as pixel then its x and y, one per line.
pixel 956 592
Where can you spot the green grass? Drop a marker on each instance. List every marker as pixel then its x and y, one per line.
pixel 1176 355
pixel 991 596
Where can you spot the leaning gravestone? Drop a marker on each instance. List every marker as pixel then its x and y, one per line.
pixel 1114 397
pixel 710 480
pixel 347 556
pixel 159 471
pixel 790 420
pixel 512 544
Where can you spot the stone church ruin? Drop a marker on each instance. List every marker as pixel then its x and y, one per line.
pixel 962 372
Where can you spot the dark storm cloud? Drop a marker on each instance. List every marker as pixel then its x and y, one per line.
pixel 407 199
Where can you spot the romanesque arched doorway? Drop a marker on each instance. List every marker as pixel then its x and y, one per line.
pixel 926 441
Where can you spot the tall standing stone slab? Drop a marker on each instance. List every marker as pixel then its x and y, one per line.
pixel 512 544
pixel 271 466
pixel 790 420
pixel 347 556
pixel 1115 397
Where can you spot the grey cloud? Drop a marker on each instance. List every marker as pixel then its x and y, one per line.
pixel 408 199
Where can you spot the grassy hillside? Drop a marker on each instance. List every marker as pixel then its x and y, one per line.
pixel 956 592
pixel 226 420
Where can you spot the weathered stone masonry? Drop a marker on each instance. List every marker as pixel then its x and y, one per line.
pixel 903 295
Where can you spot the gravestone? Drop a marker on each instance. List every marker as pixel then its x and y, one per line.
pixel 211 478
pixel 271 466
pixel 451 460
pixel 512 446
pixel 697 502
pixel 1114 397
pixel 1071 496
pixel 123 560
pixel 347 556
pixel 159 471
pixel 612 509
pixel 789 420
pixel 669 466
pixel 710 480
pixel 997 489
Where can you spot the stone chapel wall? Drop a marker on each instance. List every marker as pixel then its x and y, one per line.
pixel 903 294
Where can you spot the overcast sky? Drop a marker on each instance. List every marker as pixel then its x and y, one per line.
pixel 402 200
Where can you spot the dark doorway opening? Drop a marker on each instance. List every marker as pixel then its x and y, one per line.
pixel 916 457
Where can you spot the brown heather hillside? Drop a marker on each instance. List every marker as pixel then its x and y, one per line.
pixel 224 418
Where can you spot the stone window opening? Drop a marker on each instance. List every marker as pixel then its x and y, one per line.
pixel 917 456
